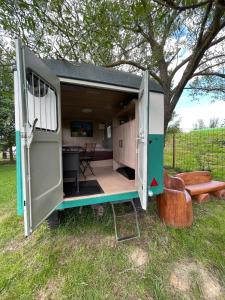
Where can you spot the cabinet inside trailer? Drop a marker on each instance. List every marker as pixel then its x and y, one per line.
pixel 125 135
pixel 112 115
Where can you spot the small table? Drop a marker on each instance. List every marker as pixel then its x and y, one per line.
pixel 72 149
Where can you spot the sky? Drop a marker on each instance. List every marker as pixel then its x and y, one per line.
pixel 190 111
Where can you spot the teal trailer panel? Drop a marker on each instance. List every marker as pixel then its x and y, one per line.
pixel 19 186
pixel 97 200
pixel 155 163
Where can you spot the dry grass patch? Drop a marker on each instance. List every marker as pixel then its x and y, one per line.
pixel 109 241
pixel 14 245
pixel 71 243
pixel 182 280
pixel 138 257
pixel 4 216
pixel 51 291
pixel 17 244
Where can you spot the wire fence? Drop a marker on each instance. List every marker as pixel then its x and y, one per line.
pixel 197 150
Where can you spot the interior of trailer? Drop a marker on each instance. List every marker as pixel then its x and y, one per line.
pixel 106 119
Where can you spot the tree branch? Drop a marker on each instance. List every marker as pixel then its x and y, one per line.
pixel 210 59
pixel 168 25
pixel 151 36
pixel 126 51
pixel 186 60
pixel 221 75
pixel 212 66
pixel 125 62
pixel 171 4
pixel 207 11
pixel 198 53
pixel 173 57
pixel 217 41
pixel 206 89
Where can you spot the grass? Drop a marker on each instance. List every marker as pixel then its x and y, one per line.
pixel 80 260
pixel 198 150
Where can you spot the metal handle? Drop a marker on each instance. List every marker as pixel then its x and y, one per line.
pixel 34 124
pixel 30 131
pixel 140 139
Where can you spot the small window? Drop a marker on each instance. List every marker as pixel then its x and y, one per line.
pixel 42 103
pixel 36 86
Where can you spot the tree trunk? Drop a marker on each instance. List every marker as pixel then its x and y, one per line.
pixel 11 154
pixel 167 111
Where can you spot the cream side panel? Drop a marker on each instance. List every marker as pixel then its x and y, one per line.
pixel 156 113
pixel 16 101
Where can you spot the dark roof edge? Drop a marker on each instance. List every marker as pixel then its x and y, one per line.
pixel 98 74
pixel 100 82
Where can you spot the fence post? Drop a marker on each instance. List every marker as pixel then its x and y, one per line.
pixel 174 150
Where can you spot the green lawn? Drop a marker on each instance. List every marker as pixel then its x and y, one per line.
pixel 198 150
pixel 81 260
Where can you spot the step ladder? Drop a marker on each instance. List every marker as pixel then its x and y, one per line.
pixel 133 214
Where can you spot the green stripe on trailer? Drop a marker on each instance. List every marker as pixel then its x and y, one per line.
pixel 19 186
pixel 155 162
pixel 96 200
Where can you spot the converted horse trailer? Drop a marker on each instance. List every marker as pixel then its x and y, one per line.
pixel 62 105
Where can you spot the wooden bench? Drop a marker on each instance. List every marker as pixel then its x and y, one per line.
pixel 200 184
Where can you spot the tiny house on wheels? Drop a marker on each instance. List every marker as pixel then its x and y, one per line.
pixel 62 110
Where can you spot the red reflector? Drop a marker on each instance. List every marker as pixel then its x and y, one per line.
pixel 154 182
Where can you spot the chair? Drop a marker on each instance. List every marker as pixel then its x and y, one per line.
pixel 175 204
pixel 71 166
pixel 86 157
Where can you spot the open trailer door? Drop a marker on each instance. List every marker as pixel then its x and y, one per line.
pixel 142 141
pixel 37 112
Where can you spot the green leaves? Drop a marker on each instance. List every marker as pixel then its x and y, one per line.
pixel 7 130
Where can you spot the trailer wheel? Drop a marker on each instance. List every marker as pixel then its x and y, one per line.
pixel 53 220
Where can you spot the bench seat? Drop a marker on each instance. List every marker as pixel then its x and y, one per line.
pixel 206 187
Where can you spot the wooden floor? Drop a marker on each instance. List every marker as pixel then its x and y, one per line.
pixel 110 181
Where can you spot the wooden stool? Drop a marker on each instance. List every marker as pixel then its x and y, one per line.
pixel 175 204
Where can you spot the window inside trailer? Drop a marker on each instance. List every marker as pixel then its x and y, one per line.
pixel 109 132
pixel 42 103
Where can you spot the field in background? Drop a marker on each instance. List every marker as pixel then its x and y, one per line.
pixel 197 150
pixel 80 260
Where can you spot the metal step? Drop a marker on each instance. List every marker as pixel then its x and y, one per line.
pixel 136 235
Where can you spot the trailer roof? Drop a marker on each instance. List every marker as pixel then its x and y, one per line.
pixel 90 72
